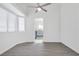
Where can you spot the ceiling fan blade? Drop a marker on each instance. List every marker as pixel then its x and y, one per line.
pixel 46 4
pixel 43 9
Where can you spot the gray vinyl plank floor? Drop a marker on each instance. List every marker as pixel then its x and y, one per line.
pixel 45 49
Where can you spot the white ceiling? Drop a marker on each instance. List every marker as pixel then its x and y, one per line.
pixel 26 10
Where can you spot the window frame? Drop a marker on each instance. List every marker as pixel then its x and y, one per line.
pixel 16 21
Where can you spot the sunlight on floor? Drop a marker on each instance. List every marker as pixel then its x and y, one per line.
pixel 38 41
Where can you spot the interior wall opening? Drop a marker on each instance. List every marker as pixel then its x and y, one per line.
pixel 38 26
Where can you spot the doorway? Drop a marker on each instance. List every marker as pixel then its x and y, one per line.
pixel 38 26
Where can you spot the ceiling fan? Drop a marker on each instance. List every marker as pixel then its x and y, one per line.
pixel 40 7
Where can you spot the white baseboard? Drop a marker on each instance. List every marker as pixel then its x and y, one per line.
pixel 71 48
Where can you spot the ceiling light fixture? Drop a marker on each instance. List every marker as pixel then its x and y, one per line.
pixel 39 9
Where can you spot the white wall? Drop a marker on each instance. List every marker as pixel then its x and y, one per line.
pixel 70 25
pixel 51 23
pixel 9 39
pixel 67 28
pixel 51 29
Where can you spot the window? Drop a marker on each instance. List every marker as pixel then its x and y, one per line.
pixel 21 24
pixel 3 19
pixel 9 22
pixel 12 19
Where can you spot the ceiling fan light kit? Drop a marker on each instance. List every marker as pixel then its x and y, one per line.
pixel 39 9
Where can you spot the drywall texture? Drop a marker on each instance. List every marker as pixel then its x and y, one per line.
pixel 70 25
pixel 51 22
pixel 9 39
pixel 51 29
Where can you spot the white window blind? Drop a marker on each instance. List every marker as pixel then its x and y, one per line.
pixel 21 24
pixel 9 22
pixel 12 19
pixel 3 19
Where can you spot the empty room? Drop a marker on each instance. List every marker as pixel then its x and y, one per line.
pixel 39 29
